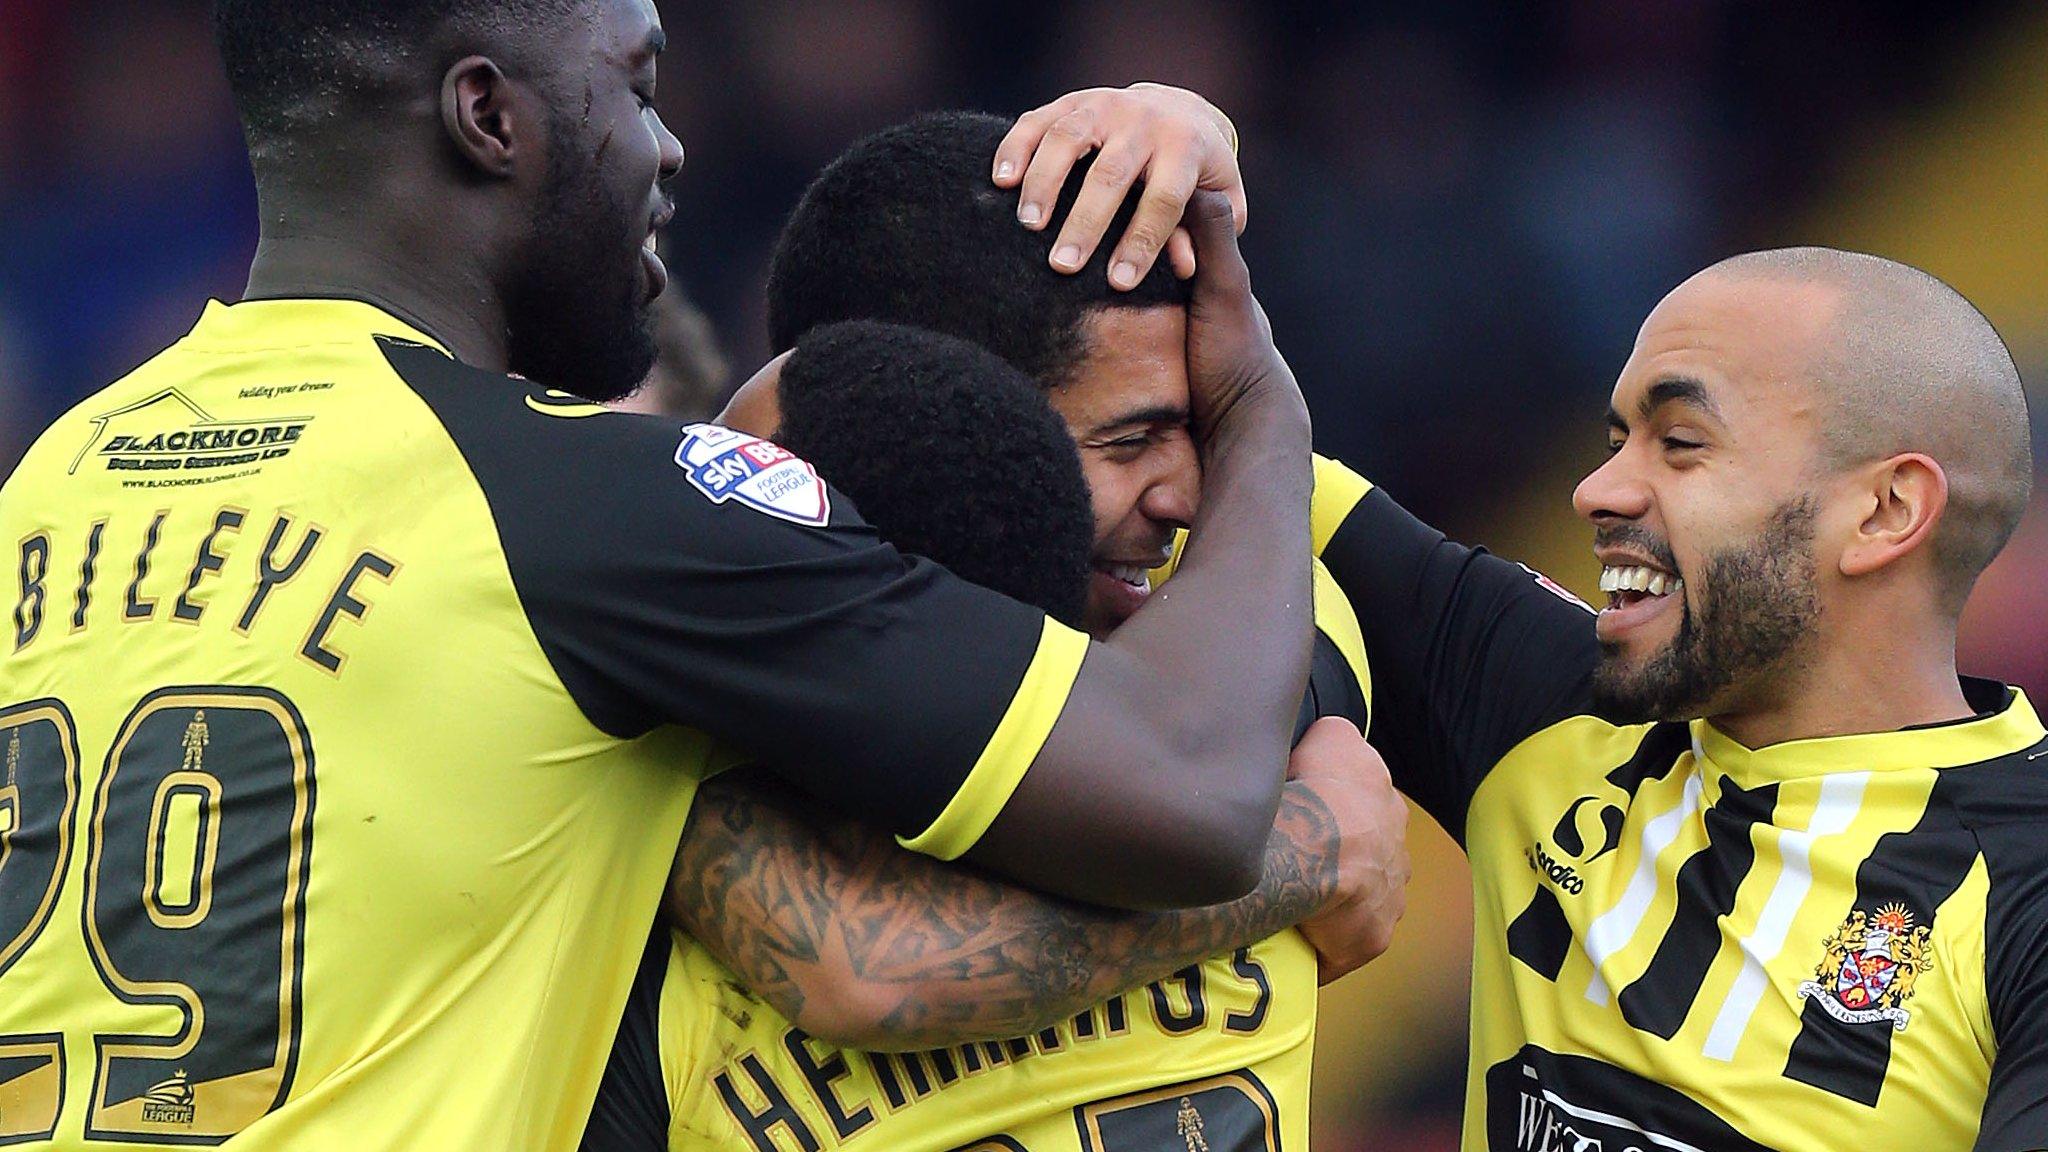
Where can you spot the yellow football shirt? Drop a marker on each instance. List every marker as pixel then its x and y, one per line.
pixel 1683 943
pixel 1216 1057
pixel 351 704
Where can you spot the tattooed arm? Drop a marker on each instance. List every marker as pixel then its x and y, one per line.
pixel 863 944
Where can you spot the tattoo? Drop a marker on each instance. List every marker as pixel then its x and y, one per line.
pixel 807 909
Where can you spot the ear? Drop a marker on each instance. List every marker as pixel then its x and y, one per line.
pixel 1907 495
pixel 477 113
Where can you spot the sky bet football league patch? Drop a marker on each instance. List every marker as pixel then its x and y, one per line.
pixel 727 465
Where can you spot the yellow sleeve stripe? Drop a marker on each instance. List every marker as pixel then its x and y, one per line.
pixel 1336 619
pixel 1338 490
pixel 1016 742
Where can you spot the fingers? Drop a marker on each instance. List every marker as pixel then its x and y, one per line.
pixel 1213 233
pixel 1168 184
pixel 1073 135
pixel 1180 253
pixel 1210 140
pixel 1014 154
pixel 1169 139
pixel 1109 180
pixel 1325 748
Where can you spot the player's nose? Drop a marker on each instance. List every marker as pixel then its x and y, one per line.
pixel 1612 492
pixel 1175 492
pixel 671 151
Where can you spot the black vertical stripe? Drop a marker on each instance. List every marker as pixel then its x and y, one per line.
pixel 632 1109
pixel 1654 759
pixel 1919 869
pixel 1657 1001
pixel 2006 808
pixel 1541 937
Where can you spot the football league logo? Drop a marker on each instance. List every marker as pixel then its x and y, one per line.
pixel 727 465
pixel 1871 965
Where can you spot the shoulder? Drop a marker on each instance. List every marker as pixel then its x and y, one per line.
pixel 1998 786
pixel 558 459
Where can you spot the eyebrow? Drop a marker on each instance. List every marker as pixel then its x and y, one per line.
pixel 1156 414
pixel 655 44
pixel 1669 390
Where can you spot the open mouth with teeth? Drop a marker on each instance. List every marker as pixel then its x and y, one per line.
pixel 1133 576
pixel 1118 590
pixel 1636 594
pixel 1625 586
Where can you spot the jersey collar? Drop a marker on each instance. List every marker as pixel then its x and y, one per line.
pixel 2005 724
pixel 299 323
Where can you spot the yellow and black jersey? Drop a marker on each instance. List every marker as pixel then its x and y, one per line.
pixel 1220 1050
pixel 1216 1057
pixel 352 700
pixel 1683 943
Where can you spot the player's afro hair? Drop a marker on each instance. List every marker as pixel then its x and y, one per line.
pixel 906 227
pixel 949 453
pixel 301 65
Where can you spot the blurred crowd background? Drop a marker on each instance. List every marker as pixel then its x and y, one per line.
pixel 1461 210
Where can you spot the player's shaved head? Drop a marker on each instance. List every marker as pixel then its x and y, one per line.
pixel 493 169
pixel 302 70
pixel 1906 364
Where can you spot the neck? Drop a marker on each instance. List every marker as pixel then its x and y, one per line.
pixel 450 300
pixel 1893 677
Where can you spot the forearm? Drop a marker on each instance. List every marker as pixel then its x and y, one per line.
pixel 866 945
pixel 1238 607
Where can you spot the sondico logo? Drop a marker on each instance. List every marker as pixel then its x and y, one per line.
pixel 1562 867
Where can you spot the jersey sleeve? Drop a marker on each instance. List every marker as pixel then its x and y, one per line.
pixel 1471 654
pixel 1339 679
pixel 701 577
pixel 2016 968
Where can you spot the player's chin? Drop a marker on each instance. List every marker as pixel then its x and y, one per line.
pixel 1639 623
pixel 1625 692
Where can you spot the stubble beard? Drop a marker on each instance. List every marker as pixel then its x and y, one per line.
pixel 1758 603
pixel 576 321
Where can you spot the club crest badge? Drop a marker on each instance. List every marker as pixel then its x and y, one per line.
pixel 727 465
pixel 1870 967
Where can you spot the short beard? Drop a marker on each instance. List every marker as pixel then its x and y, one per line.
pixel 1758 603
pixel 574 321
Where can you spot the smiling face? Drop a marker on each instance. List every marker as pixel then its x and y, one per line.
pixel 580 303
pixel 1126 404
pixel 1712 515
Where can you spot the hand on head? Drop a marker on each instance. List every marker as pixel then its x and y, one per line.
pixel 1172 140
pixel 1232 360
